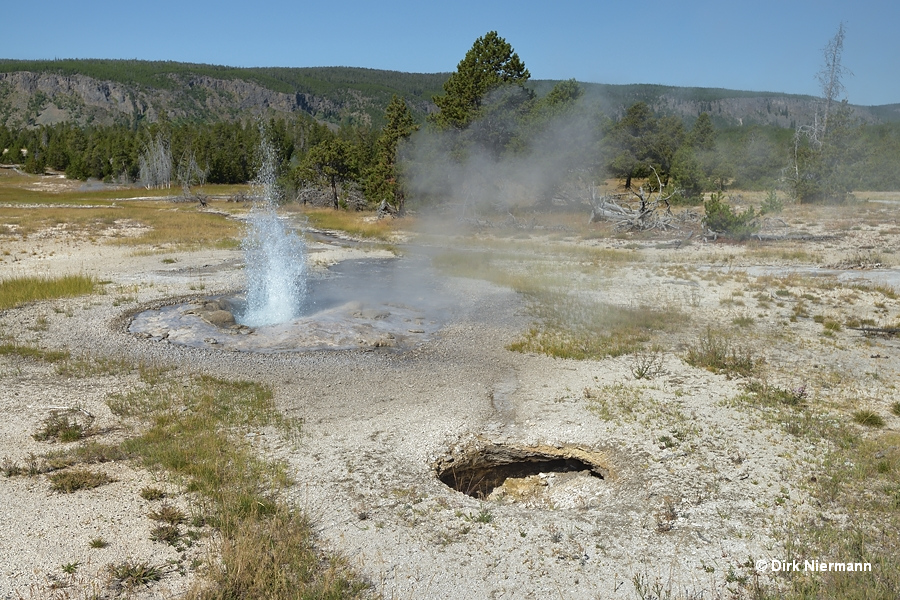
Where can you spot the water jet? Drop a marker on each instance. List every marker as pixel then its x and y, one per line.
pixel 275 256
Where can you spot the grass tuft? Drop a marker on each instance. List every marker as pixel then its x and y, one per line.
pixel 168 514
pixel 168 534
pixel 151 493
pixel 766 394
pixel 73 480
pixel 70 568
pixel 130 574
pixel 868 418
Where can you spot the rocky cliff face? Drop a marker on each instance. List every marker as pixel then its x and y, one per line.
pixel 28 99
pixel 782 111
pixel 35 98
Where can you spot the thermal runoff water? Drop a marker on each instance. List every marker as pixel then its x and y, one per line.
pixel 275 256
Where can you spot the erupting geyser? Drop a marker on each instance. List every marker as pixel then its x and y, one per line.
pixel 357 303
pixel 275 257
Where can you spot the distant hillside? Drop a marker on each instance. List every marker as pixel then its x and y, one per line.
pixel 109 91
pixel 728 108
pixel 125 91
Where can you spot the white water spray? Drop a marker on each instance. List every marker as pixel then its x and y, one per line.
pixel 275 256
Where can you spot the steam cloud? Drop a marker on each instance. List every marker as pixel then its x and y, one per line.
pixel 503 159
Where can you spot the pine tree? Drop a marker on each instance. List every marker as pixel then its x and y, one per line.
pixel 489 64
pixel 382 182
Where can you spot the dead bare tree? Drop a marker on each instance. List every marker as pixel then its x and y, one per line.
pixel 832 74
pixel 651 213
pixel 155 164
pixel 810 138
pixel 189 173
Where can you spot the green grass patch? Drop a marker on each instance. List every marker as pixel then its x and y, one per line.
pixel 569 324
pixel 182 227
pixel 860 478
pixel 616 402
pixel 879 288
pixel 34 353
pixel 856 475
pixel 17 291
pixel 357 224
pixel 784 254
pixel 194 430
pixel 761 393
pixel 578 328
pixel 164 223
pixel 268 549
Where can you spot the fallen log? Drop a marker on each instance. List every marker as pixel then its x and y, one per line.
pixel 879 331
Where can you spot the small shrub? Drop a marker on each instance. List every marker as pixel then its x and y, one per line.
pixel 895 408
pixel 715 353
pixel 767 394
pixel 771 204
pixel 58 427
pixel 724 220
pixel 98 543
pixel 647 365
pixel 73 480
pixel 10 468
pixel 868 418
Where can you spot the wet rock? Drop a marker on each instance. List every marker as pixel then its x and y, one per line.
pixel 220 318
pixel 372 313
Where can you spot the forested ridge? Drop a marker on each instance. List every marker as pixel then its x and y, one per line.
pixel 344 129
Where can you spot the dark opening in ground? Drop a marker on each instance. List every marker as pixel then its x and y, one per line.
pixel 482 468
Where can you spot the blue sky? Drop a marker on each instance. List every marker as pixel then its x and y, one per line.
pixel 764 45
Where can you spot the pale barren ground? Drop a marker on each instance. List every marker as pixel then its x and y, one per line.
pixel 699 485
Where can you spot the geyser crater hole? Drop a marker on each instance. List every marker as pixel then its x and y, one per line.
pixel 481 469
